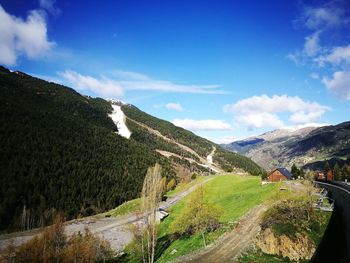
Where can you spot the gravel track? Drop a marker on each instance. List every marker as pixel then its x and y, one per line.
pixel 116 230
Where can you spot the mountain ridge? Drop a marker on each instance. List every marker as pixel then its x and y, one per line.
pixel 306 147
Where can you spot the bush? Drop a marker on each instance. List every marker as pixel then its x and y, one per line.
pixel 295 216
pixel 54 246
pixel 194 176
pixel 198 215
pixel 171 185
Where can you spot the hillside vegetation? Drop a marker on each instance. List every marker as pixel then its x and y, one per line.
pixel 225 159
pixel 201 146
pixel 59 152
pixel 233 195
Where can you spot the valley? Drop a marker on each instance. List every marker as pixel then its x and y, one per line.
pixel 174 131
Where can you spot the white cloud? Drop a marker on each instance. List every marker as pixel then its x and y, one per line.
pixel 103 86
pixel 202 125
pixel 314 75
pixel 259 120
pixel 225 140
pixel 311 46
pixel 174 106
pixel 322 17
pixel 294 57
pixel 306 117
pixel 305 125
pixel 49 6
pixel 123 81
pixel 18 36
pixel 137 81
pixel 336 56
pixel 262 111
pixel 339 84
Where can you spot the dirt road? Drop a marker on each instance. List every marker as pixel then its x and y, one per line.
pixel 232 244
pixel 116 230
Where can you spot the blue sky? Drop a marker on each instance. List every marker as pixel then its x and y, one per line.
pixel 223 69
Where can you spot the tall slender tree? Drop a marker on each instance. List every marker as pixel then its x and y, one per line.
pixel 336 172
pixel 326 169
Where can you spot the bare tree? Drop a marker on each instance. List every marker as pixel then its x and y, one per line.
pixel 151 197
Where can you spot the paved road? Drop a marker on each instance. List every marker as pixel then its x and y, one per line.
pixel 335 244
pixel 115 230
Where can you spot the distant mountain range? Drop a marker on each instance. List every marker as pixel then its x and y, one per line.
pixel 64 152
pixel 308 147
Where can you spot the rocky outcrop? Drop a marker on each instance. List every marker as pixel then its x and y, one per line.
pixel 300 247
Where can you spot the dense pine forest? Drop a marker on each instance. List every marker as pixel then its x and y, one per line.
pixel 60 153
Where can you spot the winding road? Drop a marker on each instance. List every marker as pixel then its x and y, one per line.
pixel 335 244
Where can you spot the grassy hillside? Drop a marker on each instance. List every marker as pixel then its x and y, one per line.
pixel 59 152
pixel 235 195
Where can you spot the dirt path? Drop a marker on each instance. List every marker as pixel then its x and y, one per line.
pixel 116 230
pixel 230 245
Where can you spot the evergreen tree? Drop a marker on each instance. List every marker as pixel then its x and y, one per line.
pixel 336 172
pixel 295 171
pixel 345 172
pixel 326 169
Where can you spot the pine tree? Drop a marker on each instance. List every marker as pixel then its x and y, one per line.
pixel 345 172
pixel 326 169
pixel 295 171
pixel 336 172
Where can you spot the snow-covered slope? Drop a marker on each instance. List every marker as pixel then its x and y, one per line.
pixel 118 118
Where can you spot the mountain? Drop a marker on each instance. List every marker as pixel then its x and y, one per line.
pixel 308 147
pixel 64 152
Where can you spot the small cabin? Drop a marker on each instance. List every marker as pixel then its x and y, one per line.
pixel 279 174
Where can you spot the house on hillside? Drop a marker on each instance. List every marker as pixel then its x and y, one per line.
pixel 279 174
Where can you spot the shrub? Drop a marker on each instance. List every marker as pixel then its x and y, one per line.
pixel 54 246
pixel 198 216
pixel 295 215
pixel 171 185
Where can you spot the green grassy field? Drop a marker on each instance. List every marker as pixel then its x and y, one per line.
pixel 133 205
pixel 181 187
pixel 235 194
pixel 126 208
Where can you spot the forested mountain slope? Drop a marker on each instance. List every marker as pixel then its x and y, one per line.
pixel 165 136
pixel 60 152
